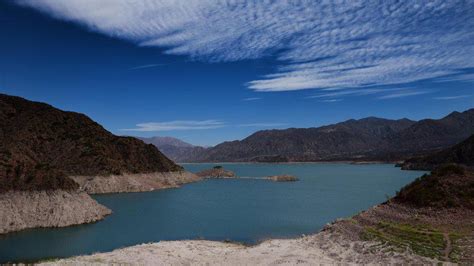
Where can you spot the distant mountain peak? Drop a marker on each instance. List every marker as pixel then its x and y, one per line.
pixel 165 140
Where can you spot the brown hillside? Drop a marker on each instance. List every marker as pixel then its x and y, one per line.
pixel 40 145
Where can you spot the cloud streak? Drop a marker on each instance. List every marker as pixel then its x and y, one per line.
pixel 193 125
pixel 250 99
pixel 343 44
pixel 452 97
pixel 402 94
pixel 146 66
pixel 176 125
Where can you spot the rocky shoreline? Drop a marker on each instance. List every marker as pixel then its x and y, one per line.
pixel 21 210
pixel 134 182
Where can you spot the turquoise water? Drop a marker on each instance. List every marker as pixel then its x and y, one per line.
pixel 246 210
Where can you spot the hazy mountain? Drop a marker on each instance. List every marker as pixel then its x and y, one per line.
pixel 364 139
pixel 175 149
pixel 41 145
pixel 462 153
pixel 166 141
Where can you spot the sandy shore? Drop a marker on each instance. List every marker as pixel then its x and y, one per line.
pixel 326 247
pixel 339 242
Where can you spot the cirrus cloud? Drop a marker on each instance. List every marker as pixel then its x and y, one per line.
pixel 319 44
pixel 176 125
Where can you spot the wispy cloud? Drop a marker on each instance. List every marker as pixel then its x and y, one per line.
pixel 251 99
pixel 452 97
pixel 177 125
pixel 146 66
pixel 194 125
pixel 353 92
pixel 402 94
pixel 263 125
pixel 466 77
pixel 334 44
pixel 331 100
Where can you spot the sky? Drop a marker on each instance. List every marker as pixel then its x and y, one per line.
pixel 210 71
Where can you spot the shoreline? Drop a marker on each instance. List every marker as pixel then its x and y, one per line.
pixel 341 241
pixel 316 162
pixel 127 183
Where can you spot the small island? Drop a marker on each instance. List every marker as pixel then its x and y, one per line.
pixel 283 178
pixel 216 172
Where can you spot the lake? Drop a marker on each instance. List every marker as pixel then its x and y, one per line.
pixel 246 210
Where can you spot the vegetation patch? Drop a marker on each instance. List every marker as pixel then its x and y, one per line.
pixel 422 240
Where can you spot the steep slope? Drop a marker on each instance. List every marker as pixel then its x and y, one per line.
pixel 447 186
pixel 175 149
pixel 462 153
pixel 365 139
pixel 41 145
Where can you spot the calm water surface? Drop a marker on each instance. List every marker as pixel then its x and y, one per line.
pixel 246 210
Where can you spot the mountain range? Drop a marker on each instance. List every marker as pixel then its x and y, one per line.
pixel 370 138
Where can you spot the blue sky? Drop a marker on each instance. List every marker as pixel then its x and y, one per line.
pixel 209 71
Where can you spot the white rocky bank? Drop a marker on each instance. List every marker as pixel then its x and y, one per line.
pixel 58 208
pixel 55 208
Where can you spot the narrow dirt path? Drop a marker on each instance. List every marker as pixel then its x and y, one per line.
pixel 448 248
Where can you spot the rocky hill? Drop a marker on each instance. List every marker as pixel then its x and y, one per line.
pixel 447 186
pixel 462 153
pixel 41 145
pixel 365 139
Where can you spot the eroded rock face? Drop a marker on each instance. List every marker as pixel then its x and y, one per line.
pixel 134 182
pixel 54 208
pixel 283 178
pixel 216 172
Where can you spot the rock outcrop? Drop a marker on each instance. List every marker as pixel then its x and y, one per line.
pixel 54 208
pixel 283 178
pixel 216 172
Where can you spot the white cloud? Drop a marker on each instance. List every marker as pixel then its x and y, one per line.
pixel 329 44
pixel 353 92
pixel 331 100
pixel 177 125
pixel 146 66
pixel 194 125
pixel 452 97
pixel 402 94
pixel 251 99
